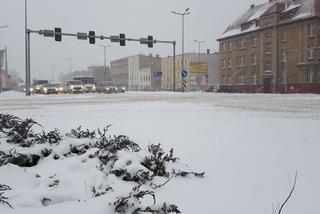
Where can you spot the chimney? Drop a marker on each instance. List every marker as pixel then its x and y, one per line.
pixel 208 51
pixel 252 6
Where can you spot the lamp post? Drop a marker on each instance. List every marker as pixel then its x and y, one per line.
pixel 186 12
pixel 199 44
pixel 105 59
pixel 70 67
pixel 6 63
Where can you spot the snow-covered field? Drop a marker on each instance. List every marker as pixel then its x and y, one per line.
pixel 249 146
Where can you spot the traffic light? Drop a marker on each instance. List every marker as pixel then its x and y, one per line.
pixel 122 42
pixel 57 34
pixel 150 41
pixel 92 38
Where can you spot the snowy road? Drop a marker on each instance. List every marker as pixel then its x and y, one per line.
pixel 249 145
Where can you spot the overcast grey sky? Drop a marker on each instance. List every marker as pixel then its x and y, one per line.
pixel 135 18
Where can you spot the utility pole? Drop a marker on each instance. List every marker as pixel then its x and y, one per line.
pixel 199 44
pixel 105 60
pixel 70 67
pixel 186 12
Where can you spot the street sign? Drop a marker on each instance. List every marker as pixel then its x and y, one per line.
pixel 157 74
pixel 82 36
pixel 184 73
pixel 48 33
pixel 206 76
pixel 115 39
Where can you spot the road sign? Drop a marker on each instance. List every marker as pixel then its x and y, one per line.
pixel 82 36
pixel 184 73
pixel 206 76
pixel 157 74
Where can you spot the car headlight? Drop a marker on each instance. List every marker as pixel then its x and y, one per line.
pixel 116 89
pixel 57 89
pixel 60 89
pixel 94 87
pixel 71 87
pixel 38 88
pixel 45 89
pixel 123 88
pixel 31 89
pixel 82 87
pixel 107 89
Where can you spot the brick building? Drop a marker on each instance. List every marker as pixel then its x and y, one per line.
pixel 273 47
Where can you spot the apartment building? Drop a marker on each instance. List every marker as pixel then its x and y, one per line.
pixel 202 71
pixel 273 47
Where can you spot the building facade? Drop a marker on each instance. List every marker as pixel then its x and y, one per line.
pixel 273 47
pixel 119 72
pixel 202 71
pixel 142 70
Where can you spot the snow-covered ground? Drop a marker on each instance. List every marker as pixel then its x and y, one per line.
pixel 250 146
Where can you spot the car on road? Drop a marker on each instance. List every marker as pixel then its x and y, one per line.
pixel 107 88
pixel 225 89
pixel 38 84
pixel 51 88
pixel 88 83
pixel 74 87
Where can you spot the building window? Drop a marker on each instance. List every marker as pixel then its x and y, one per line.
pixel 268 48
pixel 242 43
pixel 241 60
pixel 310 53
pixel 229 80
pixel 284 36
pixel 240 78
pixel 230 63
pixel 311 30
pixel 267 67
pixel 254 42
pixel 283 55
pixel 283 77
pixel 268 34
pixel 308 76
pixel 224 80
pixel 223 64
pixel 230 46
pixel 254 78
pixel 223 47
pixel 254 59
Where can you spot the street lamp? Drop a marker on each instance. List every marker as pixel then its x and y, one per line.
pixel 70 66
pixel 105 59
pixel 186 12
pixel 6 63
pixel 199 43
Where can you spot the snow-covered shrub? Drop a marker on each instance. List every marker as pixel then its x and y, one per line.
pixel 3 198
pixel 79 133
pixel 132 203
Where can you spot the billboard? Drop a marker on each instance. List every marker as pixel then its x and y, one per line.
pixel 1 59
pixel 198 74
pixel 198 68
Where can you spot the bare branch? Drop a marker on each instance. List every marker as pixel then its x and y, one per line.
pixel 290 194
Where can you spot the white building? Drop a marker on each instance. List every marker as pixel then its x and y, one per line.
pixel 141 72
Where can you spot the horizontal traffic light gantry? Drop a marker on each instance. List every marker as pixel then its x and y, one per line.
pixel 121 39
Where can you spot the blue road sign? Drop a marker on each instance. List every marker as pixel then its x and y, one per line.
pixel 158 74
pixel 206 76
pixel 184 73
